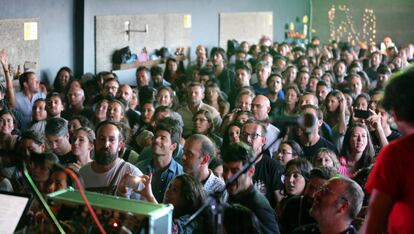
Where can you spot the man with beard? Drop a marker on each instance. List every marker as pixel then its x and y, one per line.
pixel 162 165
pixel 107 173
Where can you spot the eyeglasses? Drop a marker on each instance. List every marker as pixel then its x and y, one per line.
pixel 325 190
pixel 284 152
pixel 200 119
pixel 253 136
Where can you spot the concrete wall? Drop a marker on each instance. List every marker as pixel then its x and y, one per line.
pixel 56 30
pixel 204 15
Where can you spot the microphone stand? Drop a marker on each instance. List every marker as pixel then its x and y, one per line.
pixel 41 199
pixel 215 202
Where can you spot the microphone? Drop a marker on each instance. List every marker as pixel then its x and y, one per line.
pixel 306 120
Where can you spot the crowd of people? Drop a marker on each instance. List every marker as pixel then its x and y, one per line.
pixel 310 118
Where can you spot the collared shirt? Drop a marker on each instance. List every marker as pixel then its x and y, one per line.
pixel 213 184
pixel 187 116
pixel 24 105
pixel 160 179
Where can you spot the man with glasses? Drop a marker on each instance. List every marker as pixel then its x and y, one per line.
pixel 260 109
pixel 334 207
pixel 111 87
pixel 267 176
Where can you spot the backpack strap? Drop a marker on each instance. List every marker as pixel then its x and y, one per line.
pixel 126 154
pixel 112 183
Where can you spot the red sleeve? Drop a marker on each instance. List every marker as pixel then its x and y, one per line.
pixel 385 175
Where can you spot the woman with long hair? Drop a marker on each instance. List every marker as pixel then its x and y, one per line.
pixel 357 150
pixel 82 147
pixel 63 76
pixel 336 115
pixel 173 70
pixel 215 98
pixel 8 130
pixel 296 176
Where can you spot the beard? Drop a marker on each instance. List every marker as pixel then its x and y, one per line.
pixel 104 157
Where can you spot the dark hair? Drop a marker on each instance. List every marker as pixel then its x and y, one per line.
pixel 84 122
pixel 302 164
pixel 56 83
pixel 37 137
pixel 383 69
pixel 171 92
pixel 240 219
pixel 156 71
pixel 226 140
pixel 296 149
pixel 24 77
pixel 398 95
pixel 214 163
pixel 10 112
pixel 362 95
pixel 236 152
pixel 221 51
pixel 368 153
pixel 244 67
pixel 143 68
pixel 192 192
pixel 273 76
pixel 44 159
pixel 171 126
pixel 109 122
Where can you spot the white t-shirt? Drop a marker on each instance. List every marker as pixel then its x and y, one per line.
pixel 91 179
